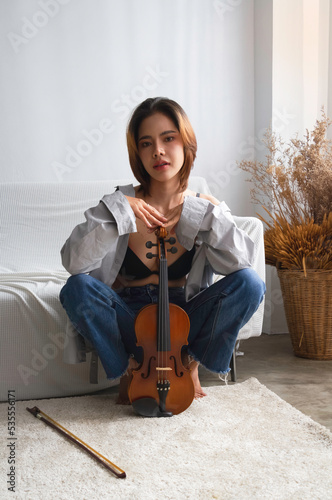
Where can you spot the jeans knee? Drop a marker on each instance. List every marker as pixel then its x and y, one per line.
pixel 74 287
pixel 253 285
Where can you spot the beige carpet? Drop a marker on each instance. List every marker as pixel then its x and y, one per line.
pixel 240 442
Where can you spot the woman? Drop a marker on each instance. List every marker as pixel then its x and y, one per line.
pixel 112 277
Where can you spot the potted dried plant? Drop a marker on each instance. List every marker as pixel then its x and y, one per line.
pixel 294 186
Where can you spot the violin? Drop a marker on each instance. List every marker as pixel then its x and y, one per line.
pixel 161 386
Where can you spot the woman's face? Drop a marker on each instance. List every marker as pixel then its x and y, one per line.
pixel 160 147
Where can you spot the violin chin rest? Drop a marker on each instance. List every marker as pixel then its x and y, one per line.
pixel 148 407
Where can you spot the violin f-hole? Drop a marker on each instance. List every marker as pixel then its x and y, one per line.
pixel 153 358
pixel 176 367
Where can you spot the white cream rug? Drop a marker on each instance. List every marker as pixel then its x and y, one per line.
pixel 240 442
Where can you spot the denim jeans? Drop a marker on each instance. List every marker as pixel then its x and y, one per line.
pixel 106 318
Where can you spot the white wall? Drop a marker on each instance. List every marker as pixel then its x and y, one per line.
pixel 72 71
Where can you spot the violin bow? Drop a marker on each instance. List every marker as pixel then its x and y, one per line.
pixel 36 412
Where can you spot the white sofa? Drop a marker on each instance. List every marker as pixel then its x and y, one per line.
pixel 36 219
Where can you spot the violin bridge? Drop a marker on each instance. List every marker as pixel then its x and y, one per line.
pixel 166 368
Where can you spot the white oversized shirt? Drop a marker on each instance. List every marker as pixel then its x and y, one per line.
pixel 98 246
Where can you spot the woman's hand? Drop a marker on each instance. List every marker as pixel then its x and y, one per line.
pixel 147 214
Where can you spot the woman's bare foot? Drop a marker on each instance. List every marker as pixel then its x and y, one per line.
pixel 125 380
pixel 193 367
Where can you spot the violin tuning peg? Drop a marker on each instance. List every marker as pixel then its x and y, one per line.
pixel 171 240
pixel 150 255
pixel 172 250
pixel 149 244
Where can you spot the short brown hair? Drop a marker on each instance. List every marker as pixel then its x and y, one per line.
pixel 173 111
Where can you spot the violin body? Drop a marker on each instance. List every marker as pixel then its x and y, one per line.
pixel 145 378
pixel 161 386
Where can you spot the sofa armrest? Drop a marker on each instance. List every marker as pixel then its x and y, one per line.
pixel 254 228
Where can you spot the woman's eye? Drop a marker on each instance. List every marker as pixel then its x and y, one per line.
pixel 169 139
pixel 145 144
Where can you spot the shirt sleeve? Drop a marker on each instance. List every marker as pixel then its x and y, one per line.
pixel 90 241
pixel 227 248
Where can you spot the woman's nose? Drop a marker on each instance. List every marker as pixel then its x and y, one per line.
pixel 159 150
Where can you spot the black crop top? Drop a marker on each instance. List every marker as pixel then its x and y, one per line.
pixel 133 268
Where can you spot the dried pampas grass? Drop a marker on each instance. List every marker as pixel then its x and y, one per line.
pixel 305 245
pixel 295 187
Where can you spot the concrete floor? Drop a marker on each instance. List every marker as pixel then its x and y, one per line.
pixel 305 384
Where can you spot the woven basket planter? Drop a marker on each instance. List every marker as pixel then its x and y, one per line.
pixel 308 309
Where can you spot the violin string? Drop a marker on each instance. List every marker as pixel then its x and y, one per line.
pixel 160 314
pixel 166 316
pixel 163 318
pixel 159 328
pixel 163 313
pixel 165 291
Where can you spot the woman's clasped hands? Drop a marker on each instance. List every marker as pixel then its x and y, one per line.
pixel 151 217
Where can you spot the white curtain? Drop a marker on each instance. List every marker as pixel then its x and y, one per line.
pixel 302 46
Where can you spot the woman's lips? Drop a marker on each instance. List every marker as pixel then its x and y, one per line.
pixel 160 165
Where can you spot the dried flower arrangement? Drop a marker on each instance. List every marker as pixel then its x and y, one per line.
pixel 294 186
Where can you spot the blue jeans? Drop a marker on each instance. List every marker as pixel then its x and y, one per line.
pixel 106 318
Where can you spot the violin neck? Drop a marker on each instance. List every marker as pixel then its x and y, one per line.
pixel 164 335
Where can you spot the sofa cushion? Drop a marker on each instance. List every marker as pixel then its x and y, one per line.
pixel 37 218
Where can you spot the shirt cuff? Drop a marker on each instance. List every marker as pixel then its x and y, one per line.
pixel 193 212
pixel 121 210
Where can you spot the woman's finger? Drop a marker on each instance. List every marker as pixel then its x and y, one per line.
pixel 149 215
pixel 155 213
pixel 154 216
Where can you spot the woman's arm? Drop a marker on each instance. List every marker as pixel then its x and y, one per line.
pixel 228 248
pixel 90 241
